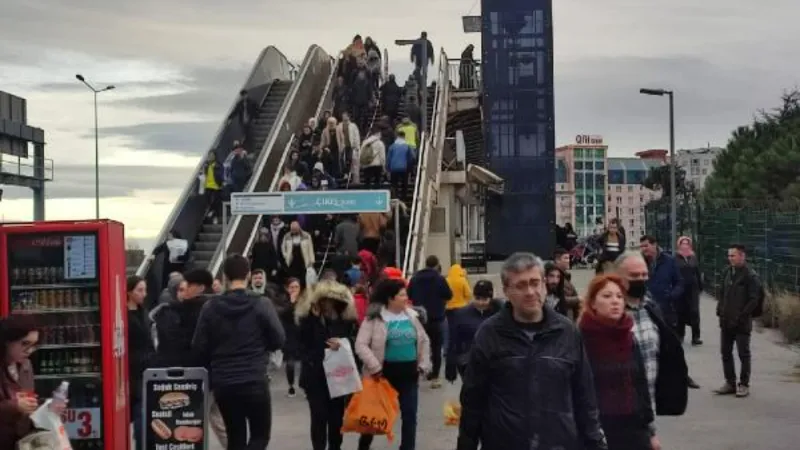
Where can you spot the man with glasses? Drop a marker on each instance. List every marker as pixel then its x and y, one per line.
pixel 527 362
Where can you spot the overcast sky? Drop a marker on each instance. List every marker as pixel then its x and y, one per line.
pixel 178 65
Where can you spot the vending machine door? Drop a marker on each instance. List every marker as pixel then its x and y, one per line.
pixel 55 275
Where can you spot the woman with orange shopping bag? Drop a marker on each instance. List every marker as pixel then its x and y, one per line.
pixel 392 344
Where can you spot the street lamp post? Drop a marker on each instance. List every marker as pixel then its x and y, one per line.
pixel 672 160
pixel 423 100
pixel 95 91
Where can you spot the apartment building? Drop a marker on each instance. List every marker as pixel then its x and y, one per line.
pixel 698 164
pixel 626 197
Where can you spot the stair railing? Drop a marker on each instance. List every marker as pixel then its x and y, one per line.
pixel 426 186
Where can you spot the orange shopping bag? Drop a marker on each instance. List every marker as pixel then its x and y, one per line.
pixel 374 410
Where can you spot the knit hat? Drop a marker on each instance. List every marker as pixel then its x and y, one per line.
pixel 483 289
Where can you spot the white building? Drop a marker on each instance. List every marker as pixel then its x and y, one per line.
pixel 698 164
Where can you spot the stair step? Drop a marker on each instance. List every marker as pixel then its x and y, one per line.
pixel 209 237
pixel 203 255
pixel 212 228
pixel 201 263
pixel 205 246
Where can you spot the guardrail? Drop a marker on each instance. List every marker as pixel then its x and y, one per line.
pixel 292 116
pixel 270 65
pixel 274 185
pixel 426 187
pixel 464 75
pixel 26 167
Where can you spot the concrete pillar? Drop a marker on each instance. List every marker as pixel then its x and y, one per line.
pixel 39 172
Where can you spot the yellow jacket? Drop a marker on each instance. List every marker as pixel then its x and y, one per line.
pixel 410 131
pixel 457 280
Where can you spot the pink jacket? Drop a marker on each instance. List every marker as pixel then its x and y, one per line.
pixel 371 341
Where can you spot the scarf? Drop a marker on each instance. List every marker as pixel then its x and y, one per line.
pixel 610 348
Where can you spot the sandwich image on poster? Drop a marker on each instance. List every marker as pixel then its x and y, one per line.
pixel 175 410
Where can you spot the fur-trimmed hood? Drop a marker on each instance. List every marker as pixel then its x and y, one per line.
pixel 330 290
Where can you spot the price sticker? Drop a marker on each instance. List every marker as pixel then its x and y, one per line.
pixel 83 423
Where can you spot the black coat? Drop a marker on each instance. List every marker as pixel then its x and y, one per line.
pixel 140 351
pixel 672 382
pixel 521 393
pixel 175 326
pixel 692 284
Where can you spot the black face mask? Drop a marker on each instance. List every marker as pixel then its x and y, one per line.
pixel 637 288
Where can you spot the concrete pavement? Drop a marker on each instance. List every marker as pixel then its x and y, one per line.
pixel 769 419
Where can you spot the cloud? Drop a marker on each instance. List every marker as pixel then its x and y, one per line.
pixel 193 138
pixel 74 182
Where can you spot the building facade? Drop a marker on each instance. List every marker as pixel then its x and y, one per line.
pixel 519 124
pixel 581 198
pixel 698 164
pixel 627 197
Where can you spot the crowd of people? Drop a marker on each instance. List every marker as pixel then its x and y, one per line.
pixel 538 366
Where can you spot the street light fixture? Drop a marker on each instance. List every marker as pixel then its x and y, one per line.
pixel 95 91
pixel 672 160
pixel 423 42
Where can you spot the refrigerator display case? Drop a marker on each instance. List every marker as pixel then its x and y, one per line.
pixel 71 277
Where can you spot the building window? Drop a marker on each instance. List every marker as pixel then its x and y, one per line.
pixel 599 165
pixel 631 211
pixel 619 200
pixel 704 171
pixel 630 200
pixel 619 188
pixel 633 223
pixel 630 188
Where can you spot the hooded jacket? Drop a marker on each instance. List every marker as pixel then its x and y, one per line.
pixel 429 290
pixel 459 286
pixel 170 293
pixel 175 324
pixel 400 157
pixel 315 328
pixel 235 333
pixel 521 392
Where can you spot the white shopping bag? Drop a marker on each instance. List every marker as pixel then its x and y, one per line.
pixel 201 184
pixel 48 420
pixel 341 372
pixel 275 360
pixel 311 276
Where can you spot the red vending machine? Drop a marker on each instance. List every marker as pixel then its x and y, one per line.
pixel 71 276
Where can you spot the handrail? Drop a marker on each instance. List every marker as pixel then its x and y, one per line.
pixel 427 175
pixel 279 174
pixel 219 254
pixel 261 73
pixel 456 74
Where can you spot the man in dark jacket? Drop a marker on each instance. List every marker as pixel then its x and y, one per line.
pixel 176 321
pixel 464 324
pixel 360 98
pixel 573 301
pixel 245 112
pixel 739 296
pixel 528 383
pixel 665 283
pixel 656 341
pixel 390 98
pixel 235 332
pixel 430 290
pixel 241 169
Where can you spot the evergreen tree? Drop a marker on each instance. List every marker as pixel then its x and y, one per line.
pixel 762 160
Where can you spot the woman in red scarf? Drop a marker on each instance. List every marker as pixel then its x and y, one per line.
pixel 626 411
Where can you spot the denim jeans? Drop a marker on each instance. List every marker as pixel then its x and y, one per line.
pixel 742 341
pixel 408 395
pixel 246 407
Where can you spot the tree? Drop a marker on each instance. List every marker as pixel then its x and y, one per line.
pixel 762 160
pixel 658 179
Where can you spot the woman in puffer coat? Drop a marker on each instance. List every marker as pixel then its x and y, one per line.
pixel 325 315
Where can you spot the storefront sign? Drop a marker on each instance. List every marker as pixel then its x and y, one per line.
pixel 589 139
pixel 175 409
pixel 82 423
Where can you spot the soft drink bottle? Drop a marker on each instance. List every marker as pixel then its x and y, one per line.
pixel 62 392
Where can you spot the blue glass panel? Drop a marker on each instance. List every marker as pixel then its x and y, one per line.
pixel 635 176
pixel 616 177
pixel 519 124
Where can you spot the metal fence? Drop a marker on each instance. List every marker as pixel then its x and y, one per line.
pixel 769 231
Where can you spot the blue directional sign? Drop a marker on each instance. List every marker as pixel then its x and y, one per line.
pixel 335 202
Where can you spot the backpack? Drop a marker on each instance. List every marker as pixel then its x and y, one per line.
pixel 367 155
